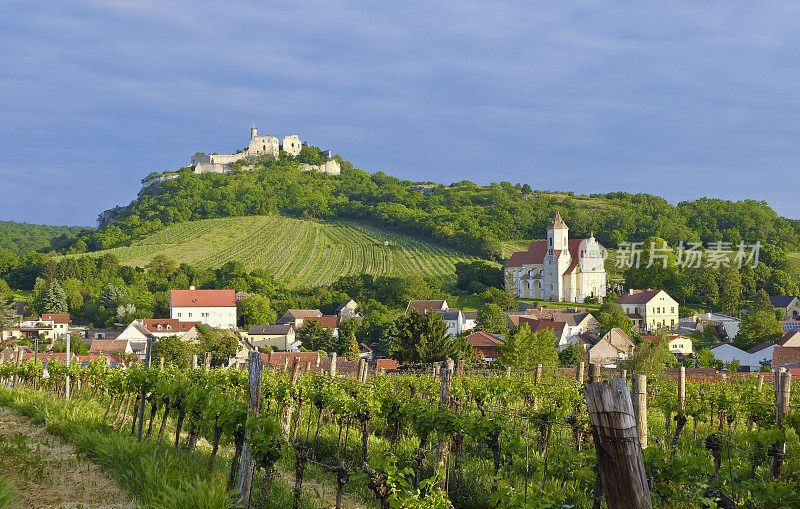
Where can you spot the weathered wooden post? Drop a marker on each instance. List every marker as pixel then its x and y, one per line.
pixel 361 364
pixel 778 450
pixel 760 381
pixel 537 377
pixel 625 374
pixel 246 466
pixel 640 407
pixel 308 366
pixel 286 413
pixel 443 445
pixel 332 370
pixel 508 372
pixel 594 372
pixel 161 364
pixel 18 363
pixel 194 361
pixel 579 373
pixel 207 364
pixel 67 381
pixel 682 386
pixel 460 367
pixel 285 364
pixel 619 454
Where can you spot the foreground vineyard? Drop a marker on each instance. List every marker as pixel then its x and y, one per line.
pixel 299 252
pixel 497 440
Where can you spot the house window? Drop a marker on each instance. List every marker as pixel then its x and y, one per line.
pixel 179 315
pixel 169 327
pixel 190 315
pixel 673 309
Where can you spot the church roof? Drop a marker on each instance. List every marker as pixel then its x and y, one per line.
pixel 536 252
pixel 557 222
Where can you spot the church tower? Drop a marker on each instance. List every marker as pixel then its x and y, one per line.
pixel 557 234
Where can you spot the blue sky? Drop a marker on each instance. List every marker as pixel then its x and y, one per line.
pixel 679 99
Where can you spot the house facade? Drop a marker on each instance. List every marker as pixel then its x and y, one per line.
pixel 789 305
pixel 559 268
pixel 216 308
pixel 268 337
pixel 650 310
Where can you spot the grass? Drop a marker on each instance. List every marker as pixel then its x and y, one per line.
pixel 9 496
pixel 561 305
pixel 297 252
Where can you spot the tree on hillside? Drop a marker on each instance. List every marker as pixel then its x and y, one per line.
pixel 506 300
pixel 492 319
pixel 650 358
pixel 761 302
pixel 611 315
pixel 782 283
pixel 706 359
pixel 76 345
pixel 7 315
pixel 423 338
pixel 351 352
pixel 161 267
pixel 347 328
pixel 525 349
pixel 315 337
pixel 5 291
pixel 481 272
pixel 174 351
pixel 572 355
pixel 256 310
pixel 221 343
pixel 729 282
pixel 54 300
pixel 756 328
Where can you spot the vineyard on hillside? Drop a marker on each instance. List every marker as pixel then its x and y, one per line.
pixel 480 439
pixel 297 252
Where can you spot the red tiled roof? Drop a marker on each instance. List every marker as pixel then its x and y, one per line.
pixel 422 306
pixel 539 325
pixel 762 346
pixel 635 316
pixel 56 317
pixel 482 338
pixel 386 364
pixel 788 337
pixel 638 297
pixel 202 298
pixel 107 346
pixel 151 324
pixel 557 222
pixel 277 360
pixel 783 355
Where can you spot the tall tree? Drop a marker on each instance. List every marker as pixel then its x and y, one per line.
pixel 523 348
pixel 650 358
pixel 351 352
pixel 761 302
pixel 756 328
pixel 492 319
pixel 611 315
pixel 314 336
pixel 55 300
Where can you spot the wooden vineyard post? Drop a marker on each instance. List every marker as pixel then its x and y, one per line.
pixel 594 372
pixel 19 361
pixel 778 450
pixel 161 364
pixel 443 445
pixel 625 374
pixel 460 367
pixel 579 373
pixel 760 381
pixel 69 354
pixel 286 414
pixel 332 371
pixel 246 466
pixel 207 365
pixel 537 377
pixel 362 363
pixel 194 361
pixel 682 387
pixel 640 407
pixel 619 454
pixel 508 372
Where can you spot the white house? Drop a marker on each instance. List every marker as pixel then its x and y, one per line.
pixel 759 354
pixel 216 308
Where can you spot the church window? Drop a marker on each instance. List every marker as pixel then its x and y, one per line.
pixel 551 241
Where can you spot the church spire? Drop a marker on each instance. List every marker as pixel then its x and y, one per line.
pixel 557 223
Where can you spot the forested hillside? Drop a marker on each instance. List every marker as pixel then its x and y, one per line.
pixel 463 215
pixel 22 238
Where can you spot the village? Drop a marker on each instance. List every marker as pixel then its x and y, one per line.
pixel 560 271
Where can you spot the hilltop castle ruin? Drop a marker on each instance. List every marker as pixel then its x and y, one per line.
pixel 261 146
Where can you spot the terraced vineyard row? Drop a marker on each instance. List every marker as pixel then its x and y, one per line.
pixel 298 252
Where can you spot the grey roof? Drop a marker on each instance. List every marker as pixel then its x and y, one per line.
pixel 470 315
pixel 449 315
pixel 270 329
pixel 588 338
pixel 781 301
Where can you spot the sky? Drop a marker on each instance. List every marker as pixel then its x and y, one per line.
pixel 678 99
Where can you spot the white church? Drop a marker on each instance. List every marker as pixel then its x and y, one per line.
pixel 559 268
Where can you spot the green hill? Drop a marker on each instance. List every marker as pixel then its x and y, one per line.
pixel 297 252
pixel 22 238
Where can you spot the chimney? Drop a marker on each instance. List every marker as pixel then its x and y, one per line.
pixel 630 292
pixel 191 287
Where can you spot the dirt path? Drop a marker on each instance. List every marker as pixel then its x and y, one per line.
pixel 47 471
